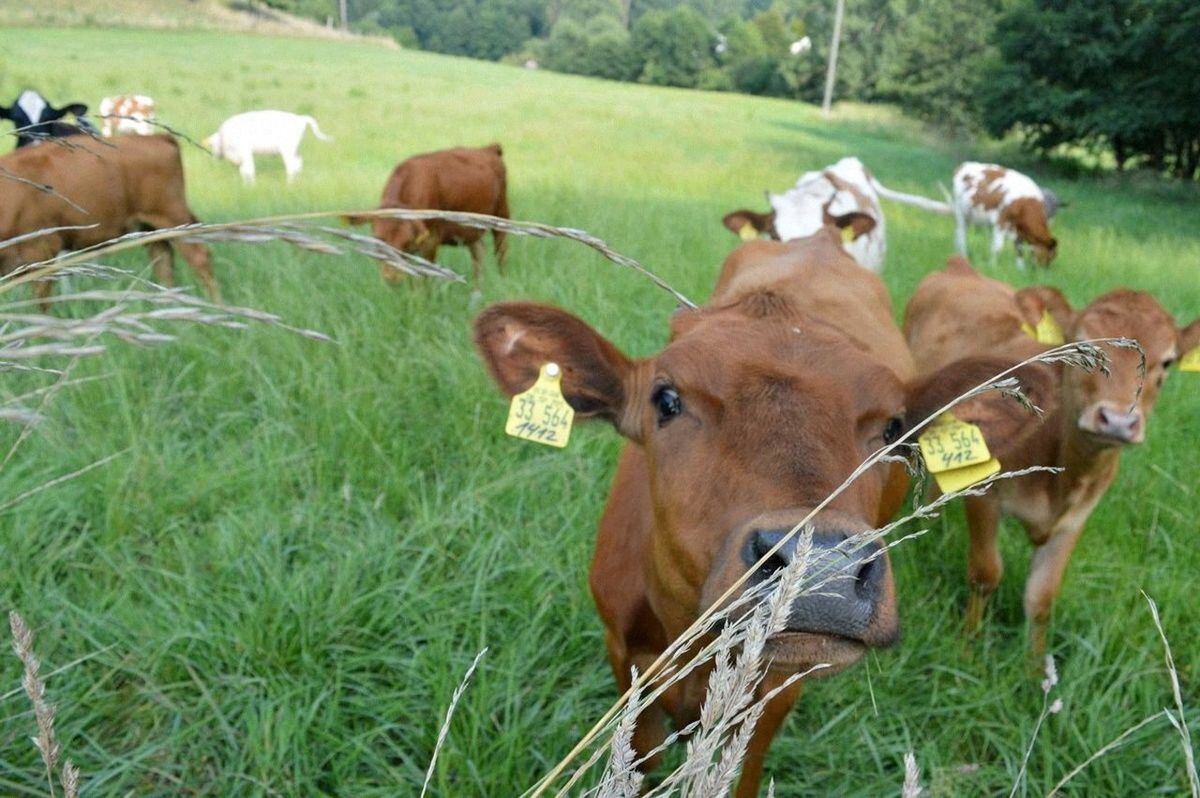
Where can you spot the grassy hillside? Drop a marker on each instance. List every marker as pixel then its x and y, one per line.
pixel 278 585
pixel 224 15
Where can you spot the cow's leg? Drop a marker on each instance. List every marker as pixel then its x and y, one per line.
pixel 499 237
pixel 42 289
pixel 162 259
pixel 1045 580
pixel 246 168
pixel 768 725
pixel 998 238
pixel 292 164
pixel 477 255
pixel 984 565
pixel 196 255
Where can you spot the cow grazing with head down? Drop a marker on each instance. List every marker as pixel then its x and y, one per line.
pixel 762 403
pixel 1089 417
pixel 133 183
pixel 1008 202
pixel 36 119
pixel 242 136
pixel 127 113
pixel 471 180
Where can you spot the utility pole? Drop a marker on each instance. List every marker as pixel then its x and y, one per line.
pixel 831 73
pixel 346 22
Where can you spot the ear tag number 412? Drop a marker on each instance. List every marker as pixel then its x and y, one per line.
pixel 956 454
pixel 541 414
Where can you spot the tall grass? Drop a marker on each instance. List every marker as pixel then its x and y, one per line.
pixel 281 583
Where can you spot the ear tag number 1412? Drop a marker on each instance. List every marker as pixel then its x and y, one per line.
pixel 956 454
pixel 541 414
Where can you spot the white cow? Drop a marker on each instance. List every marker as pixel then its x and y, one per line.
pixel 127 113
pixel 242 136
pixel 845 195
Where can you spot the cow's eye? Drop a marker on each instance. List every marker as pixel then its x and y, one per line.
pixel 893 430
pixel 1168 363
pixel 667 403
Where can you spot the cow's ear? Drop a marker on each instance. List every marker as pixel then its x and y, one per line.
pixel 742 220
pixel 855 223
pixel 1006 423
pixel 516 339
pixel 1037 300
pixel 1189 337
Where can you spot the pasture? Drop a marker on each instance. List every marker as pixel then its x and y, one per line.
pixel 276 586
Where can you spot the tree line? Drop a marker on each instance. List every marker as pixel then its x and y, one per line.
pixel 1118 77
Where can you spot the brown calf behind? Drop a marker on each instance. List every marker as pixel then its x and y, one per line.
pixel 471 180
pixel 1088 417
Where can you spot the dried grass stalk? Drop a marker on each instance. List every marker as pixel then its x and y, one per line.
pixel 1179 721
pixel 43 711
pixel 445 729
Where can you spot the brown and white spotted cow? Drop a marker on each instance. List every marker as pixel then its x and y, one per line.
pixel 127 113
pixel 1089 418
pixel 1010 203
pixel 763 402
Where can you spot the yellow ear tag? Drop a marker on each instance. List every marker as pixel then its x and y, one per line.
pixel 541 414
pixel 1190 361
pixel 747 232
pixel 847 235
pixel 1047 330
pixel 956 453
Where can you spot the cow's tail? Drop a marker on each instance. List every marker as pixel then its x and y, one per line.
pixel 312 123
pixel 911 199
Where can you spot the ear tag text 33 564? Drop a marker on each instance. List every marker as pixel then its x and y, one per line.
pixel 956 453
pixel 1047 330
pixel 541 414
pixel 1190 361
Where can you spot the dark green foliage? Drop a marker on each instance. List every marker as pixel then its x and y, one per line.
pixel 933 65
pixel 601 49
pixel 1115 75
pixel 675 47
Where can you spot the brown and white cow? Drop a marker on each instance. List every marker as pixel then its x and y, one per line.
pixel 127 113
pixel 1010 203
pixel 764 400
pixel 1089 418
pixel 844 195
pixel 471 180
pixel 130 183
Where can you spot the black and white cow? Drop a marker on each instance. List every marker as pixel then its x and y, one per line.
pixel 36 119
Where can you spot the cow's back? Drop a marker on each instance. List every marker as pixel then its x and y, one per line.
pixel 818 280
pixel 114 184
pixel 957 312
pixel 458 179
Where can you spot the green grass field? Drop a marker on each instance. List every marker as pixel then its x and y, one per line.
pixel 276 588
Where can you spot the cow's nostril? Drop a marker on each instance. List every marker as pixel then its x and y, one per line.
pixel 864 586
pixel 760 545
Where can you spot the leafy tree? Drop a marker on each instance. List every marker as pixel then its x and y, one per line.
pixel 674 47
pixel 1120 75
pixel 934 62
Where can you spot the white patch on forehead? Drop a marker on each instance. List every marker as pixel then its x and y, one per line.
pixel 511 343
pixel 32 104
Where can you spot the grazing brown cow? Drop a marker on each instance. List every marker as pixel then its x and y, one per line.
pixel 762 403
pixel 1089 418
pixel 466 179
pixel 134 184
pixel 1010 203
